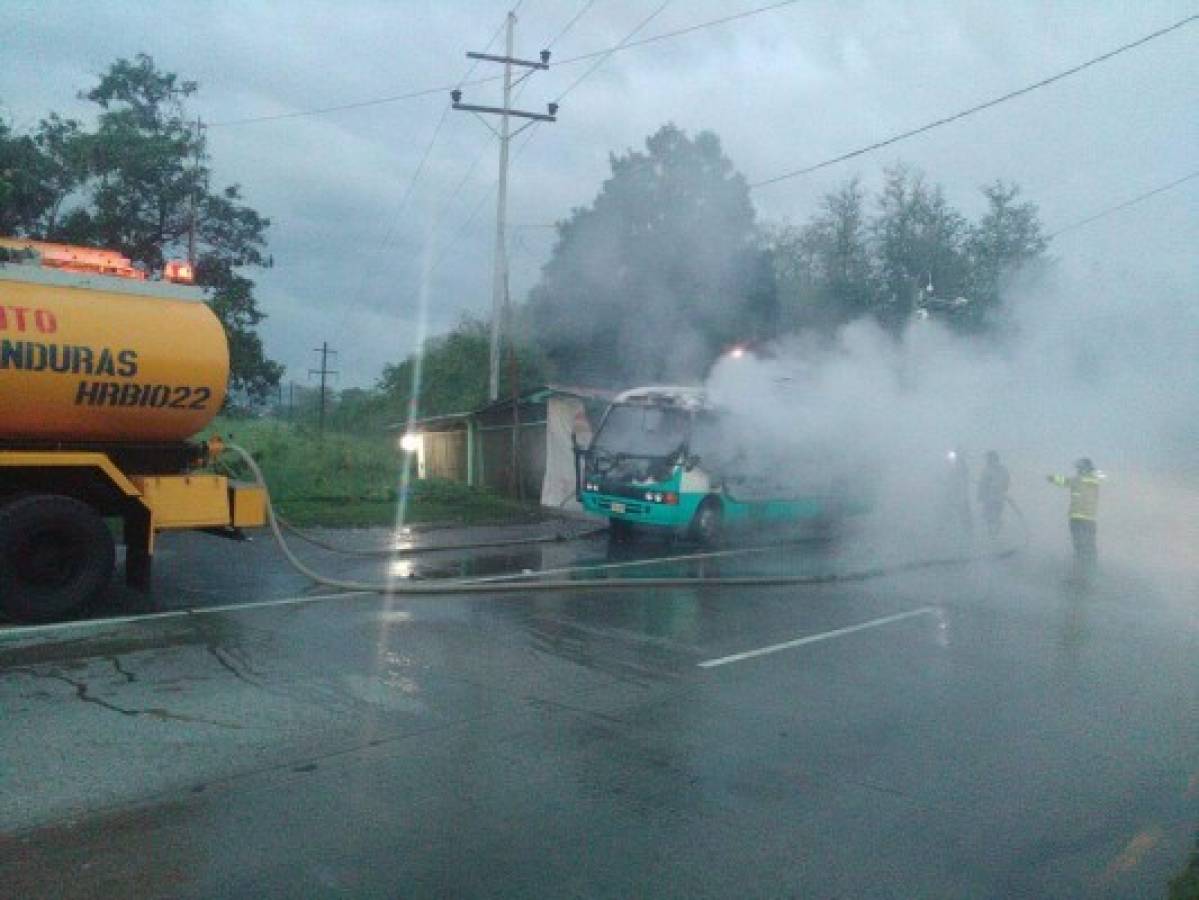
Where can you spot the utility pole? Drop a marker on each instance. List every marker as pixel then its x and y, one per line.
pixel 499 281
pixel 324 371
pixel 191 205
pixel 515 484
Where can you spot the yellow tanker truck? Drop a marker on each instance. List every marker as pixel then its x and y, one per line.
pixel 104 377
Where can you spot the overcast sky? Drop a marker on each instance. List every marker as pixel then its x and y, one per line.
pixel 783 89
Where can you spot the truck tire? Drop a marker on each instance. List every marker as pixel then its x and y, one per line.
pixel 56 556
pixel 708 524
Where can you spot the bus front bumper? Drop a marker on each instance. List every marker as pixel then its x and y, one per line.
pixel 640 512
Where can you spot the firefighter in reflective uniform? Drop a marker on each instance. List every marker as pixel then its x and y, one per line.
pixel 1084 508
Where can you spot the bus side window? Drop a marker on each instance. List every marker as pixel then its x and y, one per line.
pixel 708 444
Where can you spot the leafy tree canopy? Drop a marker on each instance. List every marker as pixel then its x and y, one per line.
pixel 659 272
pixel 914 254
pixel 667 266
pixel 454 372
pixel 136 183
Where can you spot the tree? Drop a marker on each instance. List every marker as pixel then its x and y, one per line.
pixel 915 252
pixel 137 184
pixel 358 411
pixel 1007 237
pixel 919 242
pixel 144 162
pixel 36 173
pixel 454 371
pixel 825 271
pixel 63 164
pixel 659 273
pixel 232 299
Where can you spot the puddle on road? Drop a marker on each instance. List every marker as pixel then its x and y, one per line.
pixel 388 690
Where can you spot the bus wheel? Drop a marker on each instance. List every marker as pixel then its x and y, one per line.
pixel 56 555
pixel 620 531
pixel 708 523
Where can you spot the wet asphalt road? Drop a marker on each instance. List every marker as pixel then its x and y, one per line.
pixel 975 731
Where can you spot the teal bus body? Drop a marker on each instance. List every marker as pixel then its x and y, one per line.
pixel 680 516
pixel 666 491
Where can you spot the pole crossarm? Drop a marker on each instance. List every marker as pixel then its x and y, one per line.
pixel 520 113
pixel 532 64
pixel 500 306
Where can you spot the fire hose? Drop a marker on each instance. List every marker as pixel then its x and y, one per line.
pixel 534 583
pixel 555 538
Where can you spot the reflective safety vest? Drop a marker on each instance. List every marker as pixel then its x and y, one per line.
pixel 1084 495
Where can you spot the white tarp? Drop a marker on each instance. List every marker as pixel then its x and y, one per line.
pixel 564 416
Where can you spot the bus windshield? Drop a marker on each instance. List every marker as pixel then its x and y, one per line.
pixel 638 430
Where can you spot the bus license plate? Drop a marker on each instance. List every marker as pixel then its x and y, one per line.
pixel 618 507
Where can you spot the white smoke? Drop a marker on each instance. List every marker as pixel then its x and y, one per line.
pixel 1090 367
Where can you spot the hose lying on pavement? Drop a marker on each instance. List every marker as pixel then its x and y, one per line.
pixel 382 552
pixel 556 538
pixel 450 586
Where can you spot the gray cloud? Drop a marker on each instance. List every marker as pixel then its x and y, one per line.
pixel 782 89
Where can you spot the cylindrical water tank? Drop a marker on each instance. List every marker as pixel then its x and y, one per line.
pixel 95 359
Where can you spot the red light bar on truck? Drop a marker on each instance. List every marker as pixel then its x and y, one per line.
pixel 179 271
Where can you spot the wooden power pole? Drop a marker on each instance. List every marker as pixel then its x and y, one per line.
pixel 324 372
pixel 499 281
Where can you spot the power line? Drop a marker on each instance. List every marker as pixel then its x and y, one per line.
pixel 666 35
pixel 474 163
pixel 1104 213
pixel 441 89
pixel 995 101
pixel 499 289
pixel 569 25
pixel 440 212
pixel 466 176
pixel 603 56
pixel 490 43
pixel 341 107
pixel 394 218
pixel 895 139
pixel 464 227
pixel 599 62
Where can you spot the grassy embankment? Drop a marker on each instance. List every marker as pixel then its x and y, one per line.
pixel 351 480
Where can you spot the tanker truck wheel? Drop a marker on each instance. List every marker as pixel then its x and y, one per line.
pixel 56 556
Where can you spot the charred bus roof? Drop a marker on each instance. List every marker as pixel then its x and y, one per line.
pixel 689 398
